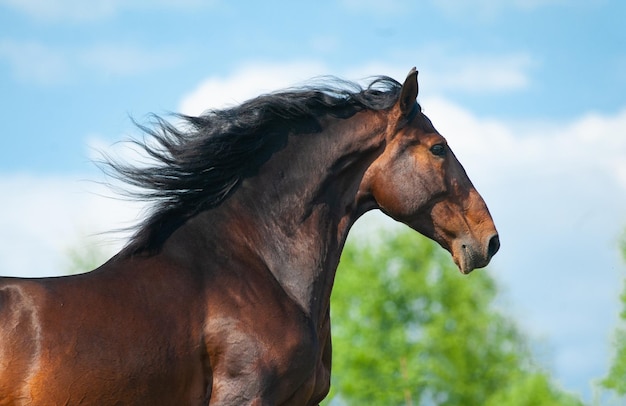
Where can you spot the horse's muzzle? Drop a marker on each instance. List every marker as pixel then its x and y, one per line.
pixel 471 254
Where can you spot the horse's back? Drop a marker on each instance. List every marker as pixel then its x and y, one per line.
pixel 19 339
pixel 96 339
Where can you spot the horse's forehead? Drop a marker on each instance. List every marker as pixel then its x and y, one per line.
pixel 418 131
pixel 424 123
pixel 417 128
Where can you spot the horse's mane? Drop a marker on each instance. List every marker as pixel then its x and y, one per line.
pixel 197 164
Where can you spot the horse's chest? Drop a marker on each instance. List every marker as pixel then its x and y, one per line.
pixel 263 355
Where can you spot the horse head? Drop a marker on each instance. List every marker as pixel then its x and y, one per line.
pixel 417 180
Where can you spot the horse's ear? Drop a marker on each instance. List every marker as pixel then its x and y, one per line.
pixel 408 95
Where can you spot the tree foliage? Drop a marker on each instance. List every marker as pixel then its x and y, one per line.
pixel 84 258
pixel 408 329
pixel 616 378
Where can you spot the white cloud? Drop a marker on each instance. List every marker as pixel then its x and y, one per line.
pixel 43 217
pixel 483 73
pixel 451 69
pixel 34 61
pixel 127 60
pixel 487 73
pixel 43 63
pixel 86 11
pixel 325 43
pixel 481 8
pixel 247 82
pixel 591 143
pixel 375 6
pixel 64 9
pixel 484 9
pixel 443 69
pixel 491 8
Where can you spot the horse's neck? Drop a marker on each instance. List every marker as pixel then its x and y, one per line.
pixel 296 213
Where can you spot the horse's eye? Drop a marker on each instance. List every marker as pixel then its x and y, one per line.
pixel 438 149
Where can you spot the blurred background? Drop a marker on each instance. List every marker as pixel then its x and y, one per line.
pixel 529 93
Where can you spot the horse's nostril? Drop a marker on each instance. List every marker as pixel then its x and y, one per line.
pixel 494 246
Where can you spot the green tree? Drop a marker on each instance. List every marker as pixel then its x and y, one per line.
pixel 616 379
pixel 85 258
pixel 408 329
pixel 531 389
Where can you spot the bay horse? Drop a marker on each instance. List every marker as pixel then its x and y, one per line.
pixel 222 295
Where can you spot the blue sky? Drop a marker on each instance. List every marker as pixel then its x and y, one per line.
pixel 81 67
pixel 531 95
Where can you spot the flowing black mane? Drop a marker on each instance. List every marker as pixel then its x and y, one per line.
pixel 198 164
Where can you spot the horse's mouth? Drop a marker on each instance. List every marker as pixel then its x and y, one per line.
pixel 468 257
pixel 465 264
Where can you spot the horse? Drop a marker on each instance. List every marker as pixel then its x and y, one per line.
pixel 222 294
